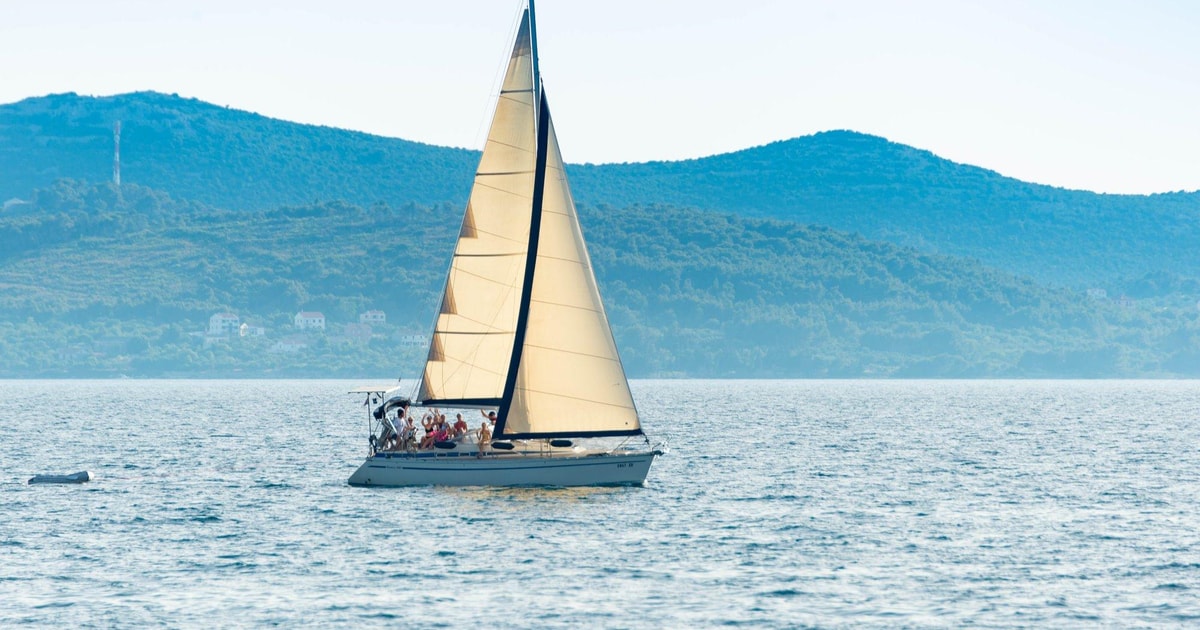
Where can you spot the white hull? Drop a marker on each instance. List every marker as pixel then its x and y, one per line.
pixel 506 469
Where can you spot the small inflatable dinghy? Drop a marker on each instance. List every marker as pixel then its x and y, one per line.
pixel 82 476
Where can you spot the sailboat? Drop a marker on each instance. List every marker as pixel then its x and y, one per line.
pixel 521 330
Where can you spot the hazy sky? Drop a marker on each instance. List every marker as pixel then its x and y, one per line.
pixel 1095 94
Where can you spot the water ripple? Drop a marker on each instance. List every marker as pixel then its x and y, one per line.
pixel 846 503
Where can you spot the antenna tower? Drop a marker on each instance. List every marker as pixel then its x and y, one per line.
pixel 117 154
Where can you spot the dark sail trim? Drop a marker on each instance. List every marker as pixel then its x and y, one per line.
pixel 565 434
pixel 535 230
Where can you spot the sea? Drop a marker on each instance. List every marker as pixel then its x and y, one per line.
pixel 779 504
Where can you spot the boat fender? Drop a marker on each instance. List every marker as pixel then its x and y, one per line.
pixel 445 444
pixel 561 443
pixel 504 446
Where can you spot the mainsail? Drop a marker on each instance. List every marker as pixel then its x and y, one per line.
pixel 472 343
pixel 522 325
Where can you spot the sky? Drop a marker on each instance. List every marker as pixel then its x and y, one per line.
pixel 1096 95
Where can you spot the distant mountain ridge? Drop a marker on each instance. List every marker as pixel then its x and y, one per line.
pixel 224 157
pixel 845 180
pixel 911 197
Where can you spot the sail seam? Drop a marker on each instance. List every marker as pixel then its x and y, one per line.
pixel 498 189
pixel 509 145
pixel 461 363
pixel 483 278
pixel 494 234
pixel 574 352
pixel 562 259
pixel 491 173
pixel 494 328
pixel 589 400
pixel 578 308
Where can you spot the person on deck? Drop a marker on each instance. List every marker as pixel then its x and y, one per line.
pixel 460 426
pixel 387 436
pixel 408 434
pixel 485 439
pixel 429 439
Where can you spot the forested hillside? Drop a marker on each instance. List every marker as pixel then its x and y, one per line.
pixel 219 156
pixel 849 181
pixel 99 281
pixel 891 192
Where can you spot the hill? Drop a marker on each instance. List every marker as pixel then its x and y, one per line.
pixel 99 281
pixel 851 182
pixel 888 191
pixel 218 156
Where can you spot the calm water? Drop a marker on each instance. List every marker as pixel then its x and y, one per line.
pixel 781 504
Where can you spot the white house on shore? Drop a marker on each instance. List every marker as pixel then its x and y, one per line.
pixel 412 340
pixel 372 317
pixel 246 330
pixel 289 345
pixel 222 324
pixel 309 320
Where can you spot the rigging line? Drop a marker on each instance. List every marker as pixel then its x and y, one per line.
pixel 572 352
pixel 465 363
pixel 454 332
pixel 560 258
pixel 585 309
pixel 498 189
pixel 486 279
pixel 578 308
pixel 498 76
pixel 589 400
pixel 490 173
pixel 509 145
pixel 460 365
pixel 495 329
pixel 533 59
pixel 492 234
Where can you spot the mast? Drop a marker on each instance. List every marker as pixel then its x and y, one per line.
pixel 537 74
pixel 541 118
pixel 535 230
pixel 565 377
